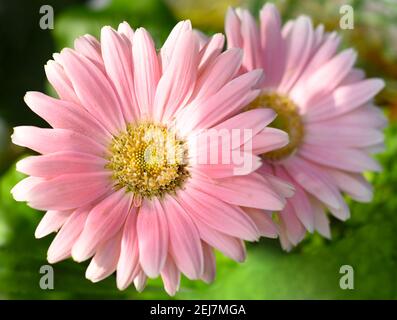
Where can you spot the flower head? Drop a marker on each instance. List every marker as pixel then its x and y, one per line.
pixel 121 174
pixel 323 103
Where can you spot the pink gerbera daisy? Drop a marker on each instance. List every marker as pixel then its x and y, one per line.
pixel 324 104
pixel 106 178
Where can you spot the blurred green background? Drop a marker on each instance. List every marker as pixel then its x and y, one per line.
pixel 367 242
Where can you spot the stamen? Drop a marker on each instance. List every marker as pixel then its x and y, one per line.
pixel 288 119
pixel 148 160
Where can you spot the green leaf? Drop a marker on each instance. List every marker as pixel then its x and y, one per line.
pixel 153 15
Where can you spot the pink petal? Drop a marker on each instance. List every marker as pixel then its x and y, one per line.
pixel 269 139
pixel 185 245
pixel 367 116
pixel 302 208
pixel 210 51
pixel 348 159
pixel 293 227
pixel 313 181
pixel 117 58
pixel 104 263
pixel 167 50
pixel 323 134
pixel 282 187
pixel 284 241
pixel 202 38
pixel 22 189
pixel 55 140
pixel 299 42
pixel 215 146
pixel 177 82
pixel 377 148
pixel 61 246
pixel 319 38
pixel 103 222
pixel 217 74
pixel 209 263
pixel 224 149
pixel 68 191
pixel 171 277
pixel 344 99
pixel 61 83
pixel 227 101
pixel 343 212
pixel 254 120
pixel 52 221
pixel 355 75
pixel 353 184
pixel 90 47
pixel 299 201
pixel 223 170
pixel 263 221
pixel 230 246
pixel 287 28
pixel 128 265
pixel 327 77
pixel 233 29
pixel 140 281
pixel 321 56
pixel 146 70
pixel 125 30
pixel 252 47
pixel 249 191
pixel 321 222
pixel 66 115
pixel 94 90
pixel 316 181
pixel 273 45
pixel 59 163
pixel 152 232
pixel 224 217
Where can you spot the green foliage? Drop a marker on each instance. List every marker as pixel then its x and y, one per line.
pixel 80 20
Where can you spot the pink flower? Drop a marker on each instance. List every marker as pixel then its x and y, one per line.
pixel 324 104
pixel 105 177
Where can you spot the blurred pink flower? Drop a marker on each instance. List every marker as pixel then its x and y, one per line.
pixel 104 176
pixel 324 104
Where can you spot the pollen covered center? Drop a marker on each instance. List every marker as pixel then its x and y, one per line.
pixel 288 119
pixel 148 160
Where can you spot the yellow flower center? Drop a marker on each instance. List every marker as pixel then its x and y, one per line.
pixel 148 160
pixel 288 119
